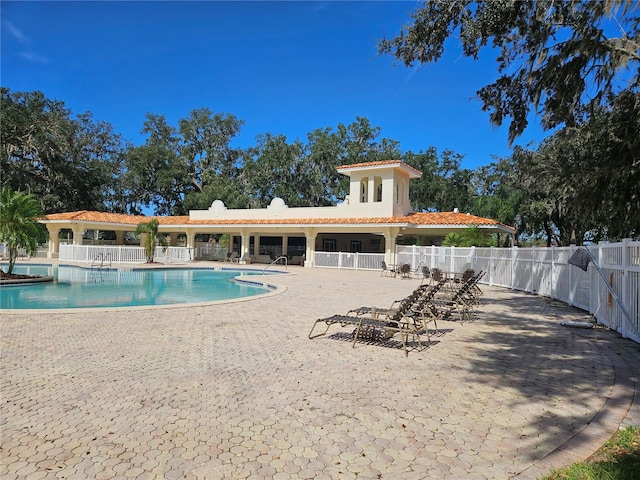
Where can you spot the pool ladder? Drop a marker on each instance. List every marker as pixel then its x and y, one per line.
pixel 281 257
pixel 101 259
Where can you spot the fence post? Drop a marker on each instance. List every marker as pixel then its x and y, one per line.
pixel 433 257
pixel 514 260
pixel 552 281
pixel 452 267
pixel 625 294
pixel 572 280
pixel 413 257
pixel 491 263
pixel 472 257
pixel 609 319
pixel 534 270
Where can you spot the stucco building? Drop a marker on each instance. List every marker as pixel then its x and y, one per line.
pixel 371 219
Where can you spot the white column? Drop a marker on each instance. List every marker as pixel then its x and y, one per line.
pixel 310 250
pixel 390 235
pixel 245 241
pixel 54 241
pixel 256 245
pixel 191 238
pixel 78 231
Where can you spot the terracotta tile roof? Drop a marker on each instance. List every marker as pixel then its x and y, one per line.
pixel 421 218
pixel 99 217
pixel 447 218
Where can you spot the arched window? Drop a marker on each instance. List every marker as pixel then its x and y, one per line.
pixel 364 185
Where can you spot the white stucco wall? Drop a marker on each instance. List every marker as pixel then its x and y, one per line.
pixel 394 200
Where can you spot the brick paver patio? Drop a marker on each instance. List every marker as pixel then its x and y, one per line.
pixel 237 390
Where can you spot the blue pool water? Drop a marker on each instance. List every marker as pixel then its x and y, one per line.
pixel 77 287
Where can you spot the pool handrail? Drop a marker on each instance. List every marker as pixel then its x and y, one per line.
pixel 281 257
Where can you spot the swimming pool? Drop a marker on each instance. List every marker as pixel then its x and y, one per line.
pixel 78 287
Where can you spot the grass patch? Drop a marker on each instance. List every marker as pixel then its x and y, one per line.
pixel 618 459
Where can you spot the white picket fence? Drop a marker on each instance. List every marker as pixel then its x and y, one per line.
pixel 105 254
pixel 539 271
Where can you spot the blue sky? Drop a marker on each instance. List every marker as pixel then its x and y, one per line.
pixel 281 67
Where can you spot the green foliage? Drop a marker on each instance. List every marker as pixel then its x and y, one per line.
pixel 496 196
pixel 617 459
pixel 68 163
pixel 553 56
pixel 476 236
pixel 151 236
pixel 452 239
pixel 472 236
pixel 276 170
pixel 582 183
pixel 155 176
pixel 180 166
pixel 443 185
pixel 19 227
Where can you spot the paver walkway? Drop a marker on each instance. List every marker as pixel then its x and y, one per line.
pixel 237 390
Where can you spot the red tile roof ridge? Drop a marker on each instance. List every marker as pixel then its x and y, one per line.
pixel 417 218
pixel 99 217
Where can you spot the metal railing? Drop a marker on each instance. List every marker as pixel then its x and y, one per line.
pixel 276 260
pixel 101 259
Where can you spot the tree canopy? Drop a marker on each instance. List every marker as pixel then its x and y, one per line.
pixel 552 56
pixel 581 184
pixel 67 163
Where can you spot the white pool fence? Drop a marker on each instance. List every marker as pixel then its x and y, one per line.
pixel 539 271
pixel 536 270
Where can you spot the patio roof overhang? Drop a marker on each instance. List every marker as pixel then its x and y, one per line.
pixel 423 223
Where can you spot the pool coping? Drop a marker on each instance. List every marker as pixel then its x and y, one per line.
pixel 26 281
pixel 273 288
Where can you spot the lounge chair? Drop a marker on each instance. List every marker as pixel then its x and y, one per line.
pixel 437 275
pixel 396 305
pixel 232 257
pixel 403 316
pixel 460 301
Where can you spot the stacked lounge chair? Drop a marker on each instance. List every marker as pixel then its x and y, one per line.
pixel 406 316
pixel 412 314
pixel 460 301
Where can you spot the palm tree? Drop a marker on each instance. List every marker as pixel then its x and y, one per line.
pixel 473 235
pixel 150 228
pixel 452 240
pixel 19 227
